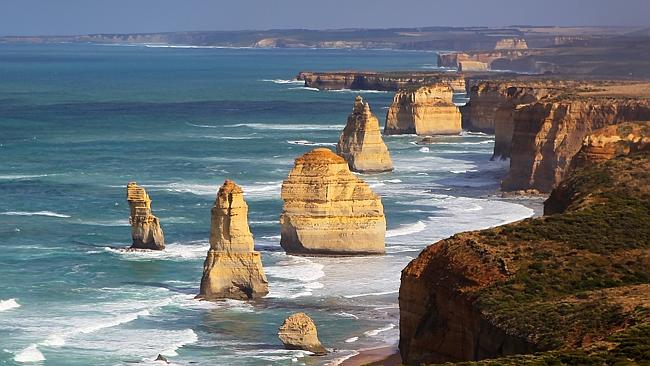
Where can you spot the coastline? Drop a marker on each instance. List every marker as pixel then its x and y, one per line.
pixel 387 355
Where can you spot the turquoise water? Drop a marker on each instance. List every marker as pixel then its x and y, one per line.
pixel 77 122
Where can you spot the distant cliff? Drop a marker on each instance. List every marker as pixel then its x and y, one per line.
pixel 573 286
pixel 385 81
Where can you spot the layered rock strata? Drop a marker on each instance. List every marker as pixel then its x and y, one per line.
pixel 547 135
pixel 511 44
pixel 299 332
pixel 613 141
pixel 232 268
pixel 568 286
pixel 428 110
pixel 361 144
pixel 328 210
pixel 385 81
pixel 145 227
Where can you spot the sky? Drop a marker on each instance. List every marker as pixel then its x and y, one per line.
pixel 65 17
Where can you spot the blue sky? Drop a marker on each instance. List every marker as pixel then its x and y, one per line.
pixel 47 17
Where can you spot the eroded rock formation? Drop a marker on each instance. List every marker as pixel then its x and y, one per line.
pixel 145 227
pixel 613 141
pixel 386 81
pixel 299 332
pixel 547 135
pixel 361 144
pixel 568 286
pixel 232 268
pixel 328 210
pixel 428 110
pixel 511 44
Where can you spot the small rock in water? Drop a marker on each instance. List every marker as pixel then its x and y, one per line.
pixel 162 358
pixel 299 332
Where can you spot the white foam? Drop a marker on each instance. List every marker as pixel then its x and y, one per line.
pixel 370 294
pixel 305 88
pixel 188 336
pixel 37 213
pixel 284 81
pixel 347 315
pixel 374 332
pixel 288 127
pixel 201 126
pixel 294 277
pixel 406 229
pixel 173 251
pixel 310 143
pixel 29 354
pixel 424 149
pixel 368 91
pixel 351 339
pixel 8 304
pixel 22 176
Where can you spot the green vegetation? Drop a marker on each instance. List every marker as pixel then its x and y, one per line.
pixel 572 270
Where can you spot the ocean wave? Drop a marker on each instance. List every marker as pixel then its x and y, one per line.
pixel 288 127
pixel 174 251
pixel 304 88
pixel 355 91
pixel 23 176
pixel 351 339
pixel 346 315
pixel 370 294
pixel 118 222
pixel 295 277
pixel 202 126
pixel 188 336
pixel 8 304
pixel 424 149
pixel 29 354
pixel 406 229
pixel 374 332
pixel 284 81
pixel 37 213
pixel 310 143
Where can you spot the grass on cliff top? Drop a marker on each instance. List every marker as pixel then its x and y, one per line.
pixel 562 260
pixel 630 347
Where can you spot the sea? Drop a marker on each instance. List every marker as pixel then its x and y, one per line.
pixel 80 121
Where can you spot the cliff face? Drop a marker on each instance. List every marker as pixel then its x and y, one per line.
pixel 454 59
pixel 565 283
pixel 548 134
pixel 361 144
pixel 491 103
pixel 145 227
pixel 613 141
pixel 328 210
pixel 386 81
pixel 232 269
pixel 427 110
pixel 511 44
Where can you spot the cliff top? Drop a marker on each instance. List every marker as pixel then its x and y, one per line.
pixel 573 281
pixel 229 187
pixel 320 155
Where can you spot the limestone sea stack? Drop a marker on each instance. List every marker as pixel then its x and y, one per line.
pixel 427 110
pixel 232 268
pixel 299 332
pixel 328 210
pixel 361 144
pixel 145 227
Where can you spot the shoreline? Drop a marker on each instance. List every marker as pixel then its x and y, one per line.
pixel 387 355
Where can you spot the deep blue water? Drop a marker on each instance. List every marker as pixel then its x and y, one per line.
pixel 78 122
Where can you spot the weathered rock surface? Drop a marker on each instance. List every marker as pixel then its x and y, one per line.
pixel 145 227
pixel 427 110
pixel 472 66
pixel 548 134
pixel 568 285
pixel 232 268
pixel 453 59
pixel 299 332
pixel 613 141
pixel 386 81
pixel 328 210
pixel 511 44
pixel 361 144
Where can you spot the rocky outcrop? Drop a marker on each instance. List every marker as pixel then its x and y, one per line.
pixel 299 332
pixel 547 135
pixel 361 144
pixel 145 227
pixel 560 285
pixel 232 268
pixel 328 210
pixel 427 110
pixel 453 59
pixel 492 102
pixel 385 81
pixel 613 141
pixel 472 66
pixel 511 44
